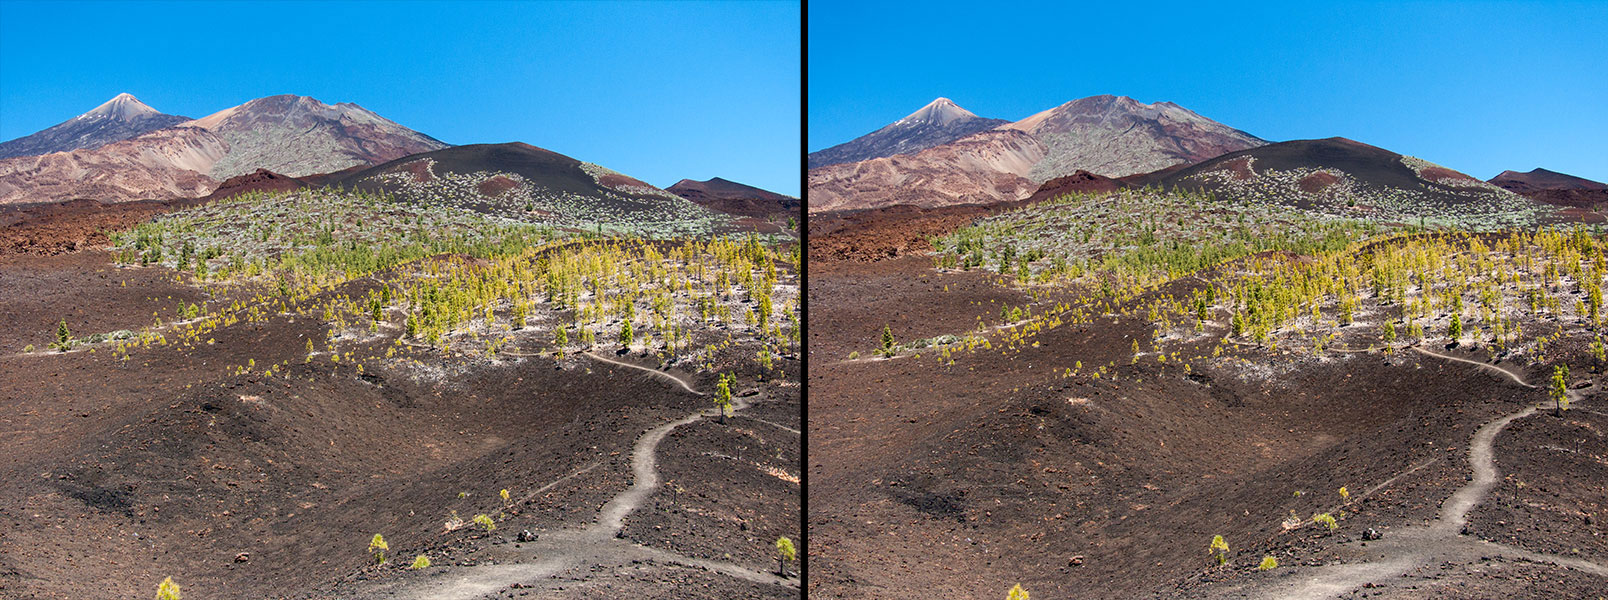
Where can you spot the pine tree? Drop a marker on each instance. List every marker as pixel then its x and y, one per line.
pixel 723 394
pixel 784 552
pixel 64 338
pixel 887 341
pixel 1559 390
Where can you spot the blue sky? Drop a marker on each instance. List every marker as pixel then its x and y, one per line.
pixel 659 91
pixel 1478 87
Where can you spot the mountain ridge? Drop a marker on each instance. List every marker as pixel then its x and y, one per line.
pixel 123 117
pixel 289 135
pixel 938 122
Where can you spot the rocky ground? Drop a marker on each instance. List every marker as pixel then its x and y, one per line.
pixel 960 480
pixel 116 473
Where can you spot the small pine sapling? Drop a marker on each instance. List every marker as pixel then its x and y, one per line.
pixel 1327 520
pixel 420 562
pixel 1017 593
pixel 887 341
pixel 784 552
pixel 167 590
pixel 1559 390
pixel 1268 564
pixel 377 547
pixel 64 338
pixel 723 394
pixel 1219 549
pixel 485 521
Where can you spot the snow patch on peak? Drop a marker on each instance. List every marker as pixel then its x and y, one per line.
pixel 941 111
pixel 122 107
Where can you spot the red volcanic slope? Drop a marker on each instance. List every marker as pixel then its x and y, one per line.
pixel 259 180
pixel 1081 181
pixel 735 198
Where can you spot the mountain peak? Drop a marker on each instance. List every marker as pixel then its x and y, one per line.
pixel 122 107
pixel 1116 136
pixel 941 111
pixel 939 122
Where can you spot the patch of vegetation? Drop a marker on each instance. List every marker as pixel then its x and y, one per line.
pixel 784 552
pixel 1017 593
pixel 1219 549
pixel 378 547
pixel 167 590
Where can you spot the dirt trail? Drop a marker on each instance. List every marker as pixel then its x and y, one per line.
pixel 534 565
pixel 679 381
pixel 1420 546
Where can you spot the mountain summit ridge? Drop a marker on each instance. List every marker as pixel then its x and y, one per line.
pixel 115 120
pixel 939 122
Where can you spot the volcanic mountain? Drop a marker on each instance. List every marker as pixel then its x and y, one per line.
pixel 939 122
pixel 1346 177
pixel 1106 136
pixel 1117 136
pixel 298 135
pixel 521 181
pixel 290 135
pixel 166 163
pixel 735 198
pixel 1553 187
pixel 982 168
pixel 118 119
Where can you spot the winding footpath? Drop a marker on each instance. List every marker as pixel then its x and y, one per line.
pixel 537 564
pixel 1439 542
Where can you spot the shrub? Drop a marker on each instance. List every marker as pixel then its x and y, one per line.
pixel 1017 593
pixel 784 552
pixel 1268 563
pixel 377 547
pixel 1327 520
pixel 887 341
pixel 420 562
pixel 1345 495
pixel 167 590
pixel 1219 549
pixel 485 521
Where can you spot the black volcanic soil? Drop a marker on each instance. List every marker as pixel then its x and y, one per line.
pixel 932 480
pixel 1552 498
pixel 538 166
pixel 115 474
